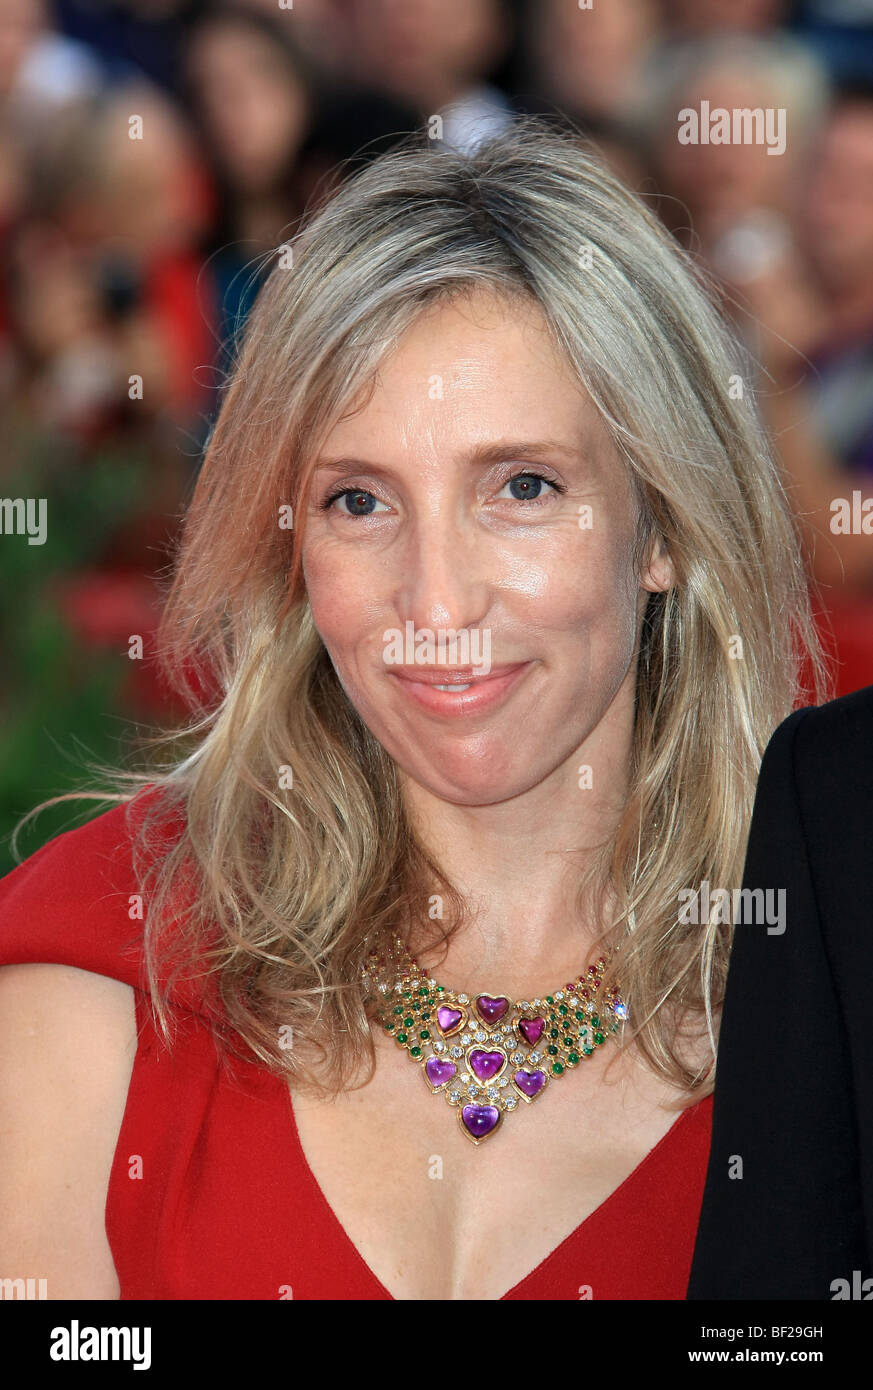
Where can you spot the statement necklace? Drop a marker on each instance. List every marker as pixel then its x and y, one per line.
pixel 486 1053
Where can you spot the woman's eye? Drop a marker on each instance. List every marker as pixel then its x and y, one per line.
pixel 528 487
pixel 358 502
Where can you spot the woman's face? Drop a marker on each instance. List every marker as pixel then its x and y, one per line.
pixel 431 531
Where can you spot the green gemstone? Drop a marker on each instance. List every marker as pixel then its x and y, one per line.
pixel 390 1026
pixel 552 1051
pixel 424 1034
pixel 408 1022
pixel 595 1020
pixel 598 1039
pixel 568 1042
pixel 587 1051
pixel 549 999
pixel 562 1009
pixel 397 1010
pixel 553 1016
pixel 553 1033
pixel 423 989
pixel 401 1037
pixel 557 1068
pixel 415 1052
pixel 572 1058
pixel 441 989
pixel 407 994
pixel 580 1018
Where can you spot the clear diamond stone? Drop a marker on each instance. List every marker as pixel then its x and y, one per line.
pixel 535 1057
pixel 493 1093
pixel 523 1004
pixel 559 994
pixel 456 1052
pixel 517 1058
pixel 511 1102
pixel 439 1046
pixel 481 1036
pixel 466 1039
pixel 463 999
pixel 473 1092
pixel 496 1039
pixel 383 989
pixel 454 1097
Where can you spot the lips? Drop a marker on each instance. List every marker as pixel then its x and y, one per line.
pixel 484 692
pixel 452 675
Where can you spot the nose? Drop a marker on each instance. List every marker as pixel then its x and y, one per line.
pixel 447 575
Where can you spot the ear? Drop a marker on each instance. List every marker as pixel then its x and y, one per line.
pixel 658 573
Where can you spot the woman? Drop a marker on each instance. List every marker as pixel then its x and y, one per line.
pixel 481 573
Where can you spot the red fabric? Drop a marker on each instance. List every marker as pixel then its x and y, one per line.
pixel 226 1206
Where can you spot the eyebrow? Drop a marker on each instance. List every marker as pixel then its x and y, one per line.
pixel 480 456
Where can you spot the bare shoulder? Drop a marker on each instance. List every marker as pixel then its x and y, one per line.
pixel 67 1046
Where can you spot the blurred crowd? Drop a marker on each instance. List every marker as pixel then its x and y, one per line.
pixel 155 153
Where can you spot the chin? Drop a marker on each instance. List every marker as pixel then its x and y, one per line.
pixel 465 785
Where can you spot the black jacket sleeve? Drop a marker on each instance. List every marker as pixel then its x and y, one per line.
pixel 793 1107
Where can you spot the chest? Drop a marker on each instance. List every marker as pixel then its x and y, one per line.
pixel 436 1217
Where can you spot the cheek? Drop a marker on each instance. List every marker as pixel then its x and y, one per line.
pixel 585 587
pixel 328 593
pixel 345 610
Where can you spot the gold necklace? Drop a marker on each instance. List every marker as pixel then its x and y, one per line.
pixel 485 1053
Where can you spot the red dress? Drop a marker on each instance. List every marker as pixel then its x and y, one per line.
pixel 210 1195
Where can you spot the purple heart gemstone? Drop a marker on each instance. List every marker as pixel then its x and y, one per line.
pixel 531 1082
pixel 531 1029
pixel 480 1120
pixel 491 1009
pixel 448 1020
pixel 439 1071
pixel 486 1064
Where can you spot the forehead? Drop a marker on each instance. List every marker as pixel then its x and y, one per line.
pixel 477 365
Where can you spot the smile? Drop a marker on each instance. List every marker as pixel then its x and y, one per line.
pixel 460 698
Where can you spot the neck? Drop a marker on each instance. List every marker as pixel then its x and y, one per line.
pixel 517 865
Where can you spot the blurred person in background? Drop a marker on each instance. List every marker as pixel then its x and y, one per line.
pixel 814 340
pixel 102 268
pixel 586 66
pixel 732 201
pixel 788 238
pixel 437 56
pixel 251 98
pixel 588 62
pixel 101 405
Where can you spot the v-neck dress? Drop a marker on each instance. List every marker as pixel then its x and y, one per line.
pixel 210 1194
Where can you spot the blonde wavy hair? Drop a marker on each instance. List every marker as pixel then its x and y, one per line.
pixel 278 894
